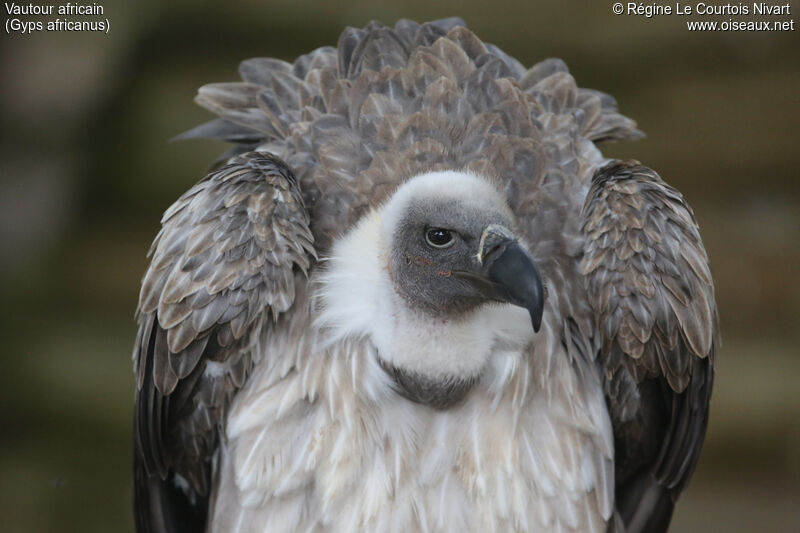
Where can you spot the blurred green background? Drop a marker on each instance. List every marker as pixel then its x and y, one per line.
pixel 87 170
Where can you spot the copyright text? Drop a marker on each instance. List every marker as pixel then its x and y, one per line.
pixel 772 16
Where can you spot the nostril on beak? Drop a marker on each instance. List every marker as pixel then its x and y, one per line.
pixel 494 240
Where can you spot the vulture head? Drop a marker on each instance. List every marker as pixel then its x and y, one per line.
pixel 443 272
pixel 451 250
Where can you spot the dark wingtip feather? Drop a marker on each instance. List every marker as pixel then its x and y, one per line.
pixel 645 506
pixel 159 506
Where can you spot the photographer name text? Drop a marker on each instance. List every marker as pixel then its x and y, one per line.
pixel 701 8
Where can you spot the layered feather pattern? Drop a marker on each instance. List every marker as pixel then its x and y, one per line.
pixel 222 266
pixel 389 103
pixel 650 285
pixel 227 315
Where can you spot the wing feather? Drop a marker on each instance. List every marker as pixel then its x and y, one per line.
pixel 223 264
pixel 649 283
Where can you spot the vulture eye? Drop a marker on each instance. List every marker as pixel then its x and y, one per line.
pixel 438 237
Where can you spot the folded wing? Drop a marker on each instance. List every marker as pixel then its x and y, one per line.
pixel 223 264
pixel 650 286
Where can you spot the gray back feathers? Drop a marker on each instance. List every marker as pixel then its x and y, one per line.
pixel 389 103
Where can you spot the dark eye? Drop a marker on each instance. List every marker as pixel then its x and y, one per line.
pixel 438 237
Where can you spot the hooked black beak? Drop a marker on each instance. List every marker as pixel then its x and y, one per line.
pixel 507 273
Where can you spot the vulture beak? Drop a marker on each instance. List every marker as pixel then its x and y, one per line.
pixel 506 273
